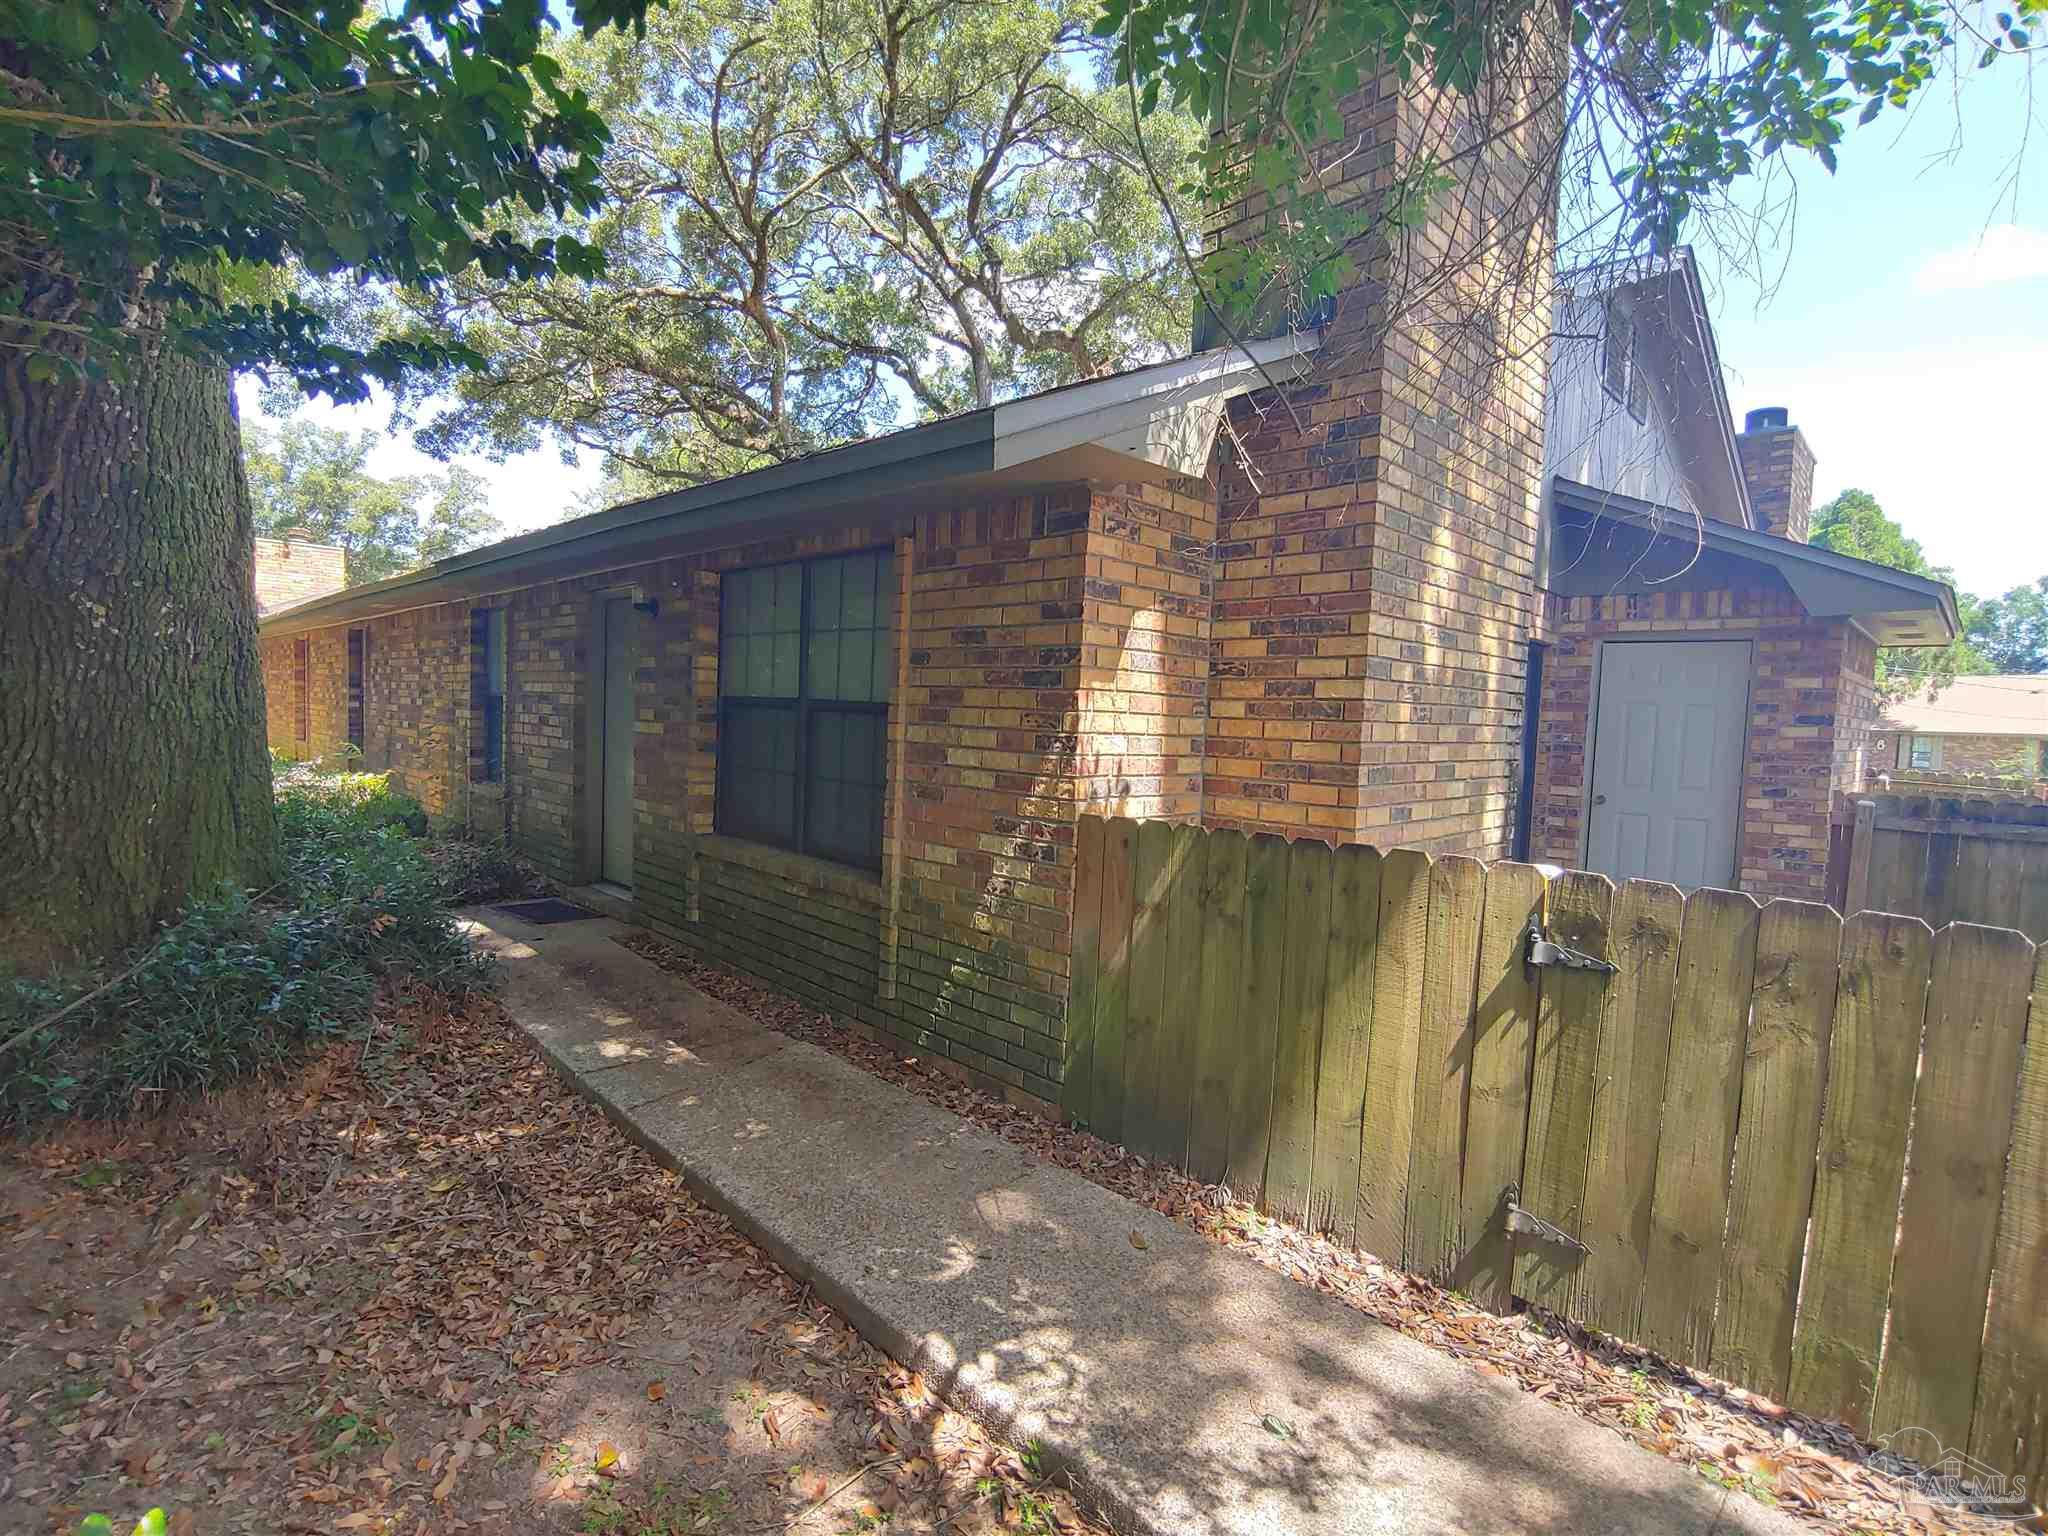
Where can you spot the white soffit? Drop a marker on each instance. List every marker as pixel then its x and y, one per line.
pixel 1165 415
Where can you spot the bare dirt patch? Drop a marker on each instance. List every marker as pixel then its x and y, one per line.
pixel 1812 1468
pixel 420 1285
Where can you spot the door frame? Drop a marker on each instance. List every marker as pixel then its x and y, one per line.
pixel 590 753
pixel 1662 637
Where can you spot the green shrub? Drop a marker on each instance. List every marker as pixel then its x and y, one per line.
pixel 242 982
pixel 481 870
pixel 366 798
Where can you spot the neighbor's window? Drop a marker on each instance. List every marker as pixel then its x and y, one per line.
pixel 2041 767
pixel 804 665
pixel 302 688
pixel 487 689
pixel 1923 753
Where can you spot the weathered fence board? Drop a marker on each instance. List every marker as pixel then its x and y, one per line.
pixel 1881 1001
pixel 1443 1065
pixel 1962 1120
pixel 1084 958
pixel 1113 980
pixel 1390 1064
pixel 1702 1084
pixel 1145 1018
pixel 1504 1036
pixel 1943 859
pixel 1265 958
pixel 1349 963
pixel 1217 1044
pixel 1807 1156
pixel 1628 1104
pixel 1290 1156
pixel 1569 1024
pixel 1182 1008
pixel 2009 1428
pixel 1784 1068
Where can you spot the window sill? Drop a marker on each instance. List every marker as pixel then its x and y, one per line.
pixel 801 868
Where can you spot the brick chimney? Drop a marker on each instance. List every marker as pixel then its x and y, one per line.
pixel 1777 466
pixel 1377 528
pixel 292 569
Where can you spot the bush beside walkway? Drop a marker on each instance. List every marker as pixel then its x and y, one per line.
pixel 244 981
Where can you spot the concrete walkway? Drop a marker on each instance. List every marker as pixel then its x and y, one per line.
pixel 1019 1290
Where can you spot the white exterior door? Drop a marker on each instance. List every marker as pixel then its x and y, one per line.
pixel 1667 760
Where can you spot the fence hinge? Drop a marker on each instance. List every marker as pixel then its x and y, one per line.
pixel 1525 1223
pixel 1545 951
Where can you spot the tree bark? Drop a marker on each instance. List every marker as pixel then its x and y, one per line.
pixel 134 774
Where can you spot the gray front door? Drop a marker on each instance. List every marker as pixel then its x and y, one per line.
pixel 1668 739
pixel 615 748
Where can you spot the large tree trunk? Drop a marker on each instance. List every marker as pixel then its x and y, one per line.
pixel 133 768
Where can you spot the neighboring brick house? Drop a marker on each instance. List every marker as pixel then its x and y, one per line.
pixel 836 721
pixel 1975 728
pixel 1706 678
pixel 291 569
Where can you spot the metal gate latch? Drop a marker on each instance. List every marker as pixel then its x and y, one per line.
pixel 1546 951
pixel 1528 1224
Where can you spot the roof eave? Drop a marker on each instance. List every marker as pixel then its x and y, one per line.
pixel 1152 423
pixel 1885 602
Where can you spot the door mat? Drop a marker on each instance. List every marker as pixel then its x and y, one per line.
pixel 549 909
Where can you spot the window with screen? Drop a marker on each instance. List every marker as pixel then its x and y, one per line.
pixel 358 689
pixel 804 665
pixel 302 689
pixel 487 689
pixel 1922 753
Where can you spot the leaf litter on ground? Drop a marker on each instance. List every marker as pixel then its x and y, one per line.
pixel 419 1285
pixel 1815 1469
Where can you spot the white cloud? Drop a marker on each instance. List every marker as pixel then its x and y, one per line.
pixel 2005 253
pixel 1920 429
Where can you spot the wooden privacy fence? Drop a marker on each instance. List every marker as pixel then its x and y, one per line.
pixel 1728 1133
pixel 1943 860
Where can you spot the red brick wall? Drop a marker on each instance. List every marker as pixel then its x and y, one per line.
pixel 992 783
pixel 1778 467
pixel 327 694
pixel 1806 694
pixel 1144 678
pixel 294 571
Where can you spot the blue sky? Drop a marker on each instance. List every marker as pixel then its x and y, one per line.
pixel 1903 322
pixel 1907 332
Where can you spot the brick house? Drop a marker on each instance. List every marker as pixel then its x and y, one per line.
pixel 835 721
pixel 1975 728
pixel 1705 679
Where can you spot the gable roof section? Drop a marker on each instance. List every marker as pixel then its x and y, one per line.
pixel 1150 423
pixel 1670 298
pixel 1895 608
pixel 2007 704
